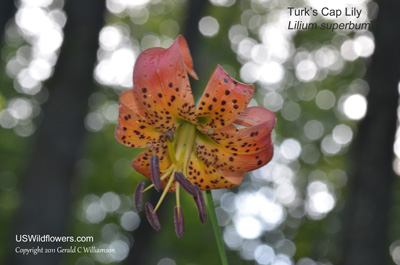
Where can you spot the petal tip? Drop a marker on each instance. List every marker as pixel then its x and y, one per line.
pixel 186 56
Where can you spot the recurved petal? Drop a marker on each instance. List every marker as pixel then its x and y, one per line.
pixel 228 160
pixel 256 135
pixel 132 129
pixel 206 177
pixel 256 115
pixel 187 57
pixel 142 162
pixel 223 100
pixel 161 85
pixel 240 150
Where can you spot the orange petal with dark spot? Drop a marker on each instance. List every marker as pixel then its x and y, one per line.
pixel 223 100
pixel 240 150
pixel 132 129
pixel 161 85
pixel 229 160
pixel 206 177
pixel 259 123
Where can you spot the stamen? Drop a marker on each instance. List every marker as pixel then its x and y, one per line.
pixel 199 200
pixel 179 221
pixel 185 183
pixel 155 172
pixel 164 192
pixel 172 166
pixel 152 217
pixel 166 174
pixel 178 194
pixel 139 196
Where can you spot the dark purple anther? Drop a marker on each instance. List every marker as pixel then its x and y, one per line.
pixel 169 136
pixel 139 196
pixel 155 172
pixel 185 183
pixel 152 217
pixel 179 221
pixel 199 200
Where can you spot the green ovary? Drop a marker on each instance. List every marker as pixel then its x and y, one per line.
pixel 182 147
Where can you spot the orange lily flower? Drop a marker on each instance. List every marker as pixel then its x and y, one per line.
pixel 196 149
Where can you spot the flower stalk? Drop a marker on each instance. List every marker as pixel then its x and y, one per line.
pixel 218 237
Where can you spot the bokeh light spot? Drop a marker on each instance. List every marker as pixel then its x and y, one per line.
pixel 208 26
pixel 355 107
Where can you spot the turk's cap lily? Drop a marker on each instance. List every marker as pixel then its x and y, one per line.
pixel 203 148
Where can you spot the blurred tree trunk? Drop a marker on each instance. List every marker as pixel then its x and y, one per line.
pixel 196 10
pixel 367 214
pixel 7 10
pixel 47 187
pixel 144 234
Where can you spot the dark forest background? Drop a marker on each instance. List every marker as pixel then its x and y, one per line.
pixel 330 194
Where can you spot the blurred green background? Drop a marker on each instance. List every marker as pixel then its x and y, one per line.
pixel 328 196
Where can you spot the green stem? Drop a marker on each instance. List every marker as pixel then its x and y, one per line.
pixel 217 232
